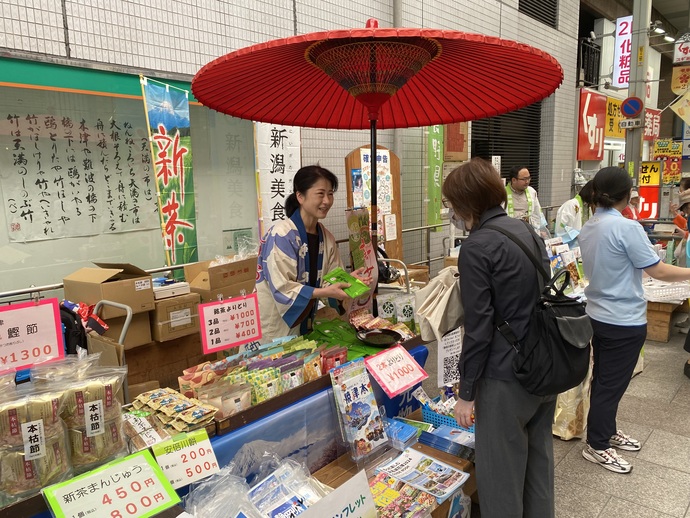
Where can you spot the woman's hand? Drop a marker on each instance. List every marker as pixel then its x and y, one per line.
pixel 464 413
pixel 333 291
pixel 359 274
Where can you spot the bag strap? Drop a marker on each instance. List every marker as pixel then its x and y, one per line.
pixel 540 267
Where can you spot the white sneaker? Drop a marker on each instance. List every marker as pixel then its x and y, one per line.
pixel 608 459
pixel 624 442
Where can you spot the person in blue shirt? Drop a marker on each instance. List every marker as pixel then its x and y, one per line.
pixel 615 252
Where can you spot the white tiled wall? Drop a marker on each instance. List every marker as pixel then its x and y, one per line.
pixel 180 36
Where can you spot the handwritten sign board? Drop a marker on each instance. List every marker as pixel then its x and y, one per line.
pixel 395 370
pixel 229 323
pixel 30 333
pixel 186 458
pixel 132 487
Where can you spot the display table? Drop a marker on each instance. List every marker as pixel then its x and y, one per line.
pixel 343 469
pixel 659 320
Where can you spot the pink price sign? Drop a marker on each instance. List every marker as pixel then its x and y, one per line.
pixel 229 323
pixel 30 333
pixel 395 370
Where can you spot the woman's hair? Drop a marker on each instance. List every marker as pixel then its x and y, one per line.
pixel 586 192
pixel 611 185
pixel 304 180
pixel 474 187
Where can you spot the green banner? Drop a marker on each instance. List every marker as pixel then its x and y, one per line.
pixel 434 174
pixel 167 113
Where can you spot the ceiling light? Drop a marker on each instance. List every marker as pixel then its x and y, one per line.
pixel 669 38
pixel 657 28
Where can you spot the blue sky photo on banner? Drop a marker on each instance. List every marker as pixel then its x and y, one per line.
pixel 167 112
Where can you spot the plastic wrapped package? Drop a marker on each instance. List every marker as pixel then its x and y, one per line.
pixel 70 367
pixel 30 405
pixel 220 494
pixel 89 452
pixel 103 384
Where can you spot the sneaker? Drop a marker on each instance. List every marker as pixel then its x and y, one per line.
pixel 624 442
pixel 608 459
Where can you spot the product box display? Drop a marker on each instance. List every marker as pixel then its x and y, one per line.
pixel 138 332
pixel 211 280
pixel 175 317
pixel 117 282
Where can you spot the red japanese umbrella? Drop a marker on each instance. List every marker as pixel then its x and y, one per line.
pixel 385 78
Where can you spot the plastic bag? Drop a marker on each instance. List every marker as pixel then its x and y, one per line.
pixel 221 493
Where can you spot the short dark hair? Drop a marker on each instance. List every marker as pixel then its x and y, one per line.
pixel 611 185
pixel 473 188
pixel 515 170
pixel 304 179
pixel 684 184
pixel 586 192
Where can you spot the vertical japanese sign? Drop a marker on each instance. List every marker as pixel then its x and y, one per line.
pixel 650 173
pixel 167 114
pixel 434 161
pixel 279 158
pixel 622 51
pixel 613 118
pixel 590 132
pixel 652 124
pixel 30 333
pixel 384 184
pixel 649 202
pixel 362 252
pixel 670 153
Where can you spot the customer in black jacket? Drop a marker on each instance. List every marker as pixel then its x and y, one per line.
pixel 514 448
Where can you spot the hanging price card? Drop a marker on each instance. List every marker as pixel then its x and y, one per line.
pixel 186 458
pixel 395 370
pixel 132 487
pixel 229 323
pixel 30 333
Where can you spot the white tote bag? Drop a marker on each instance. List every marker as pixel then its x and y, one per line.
pixel 438 304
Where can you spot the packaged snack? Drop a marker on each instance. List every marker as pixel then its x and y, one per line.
pixel 136 422
pixel 356 289
pixel 147 438
pixel 90 451
pixel 386 307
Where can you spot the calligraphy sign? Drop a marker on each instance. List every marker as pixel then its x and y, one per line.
pixel 649 202
pixel 132 487
pixel 622 52
pixel 395 370
pixel 186 458
pixel 652 124
pixel 434 174
pixel 591 125
pixel 650 173
pixel 229 323
pixel 30 333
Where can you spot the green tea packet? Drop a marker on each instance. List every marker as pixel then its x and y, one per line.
pixel 357 288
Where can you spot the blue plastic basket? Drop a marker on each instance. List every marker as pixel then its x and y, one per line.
pixel 436 419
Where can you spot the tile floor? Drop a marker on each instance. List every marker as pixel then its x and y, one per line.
pixel 656 411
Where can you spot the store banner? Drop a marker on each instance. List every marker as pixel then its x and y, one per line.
pixel 670 153
pixel 680 79
pixel 622 52
pixel 384 186
pixel 613 118
pixel 681 48
pixel 278 153
pixel 682 107
pixel 167 113
pixel 434 162
pixel 652 124
pixel 649 202
pixel 591 125
pixel 650 173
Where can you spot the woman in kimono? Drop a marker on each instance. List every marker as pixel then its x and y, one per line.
pixel 294 256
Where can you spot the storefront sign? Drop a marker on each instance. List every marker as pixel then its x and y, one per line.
pixel 613 118
pixel 132 487
pixel 186 458
pixel 395 370
pixel 681 49
pixel 229 323
pixel 434 174
pixel 650 173
pixel 351 500
pixel 591 125
pixel 652 124
pixel 649 202
pixel 622 50
pixel 680 79
pixel 30 333
pixel 670 153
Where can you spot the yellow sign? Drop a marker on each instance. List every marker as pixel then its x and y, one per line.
pixel 670 152
pixel 613 118
pixel 650 173
pixel 682 107
pixel 680 79
pixel 640 55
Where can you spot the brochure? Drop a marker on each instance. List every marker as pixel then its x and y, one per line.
pixel 394 498
pixel 425 473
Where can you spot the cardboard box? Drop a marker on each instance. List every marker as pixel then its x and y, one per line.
pixel 123 283
pixel 223 281
pixel 170 290
pixel 112 352
pixel 138 333
pixel 175 317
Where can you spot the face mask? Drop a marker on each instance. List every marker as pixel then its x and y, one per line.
pixel 458 222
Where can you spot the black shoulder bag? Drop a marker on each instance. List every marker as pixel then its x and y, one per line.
pixel 555 354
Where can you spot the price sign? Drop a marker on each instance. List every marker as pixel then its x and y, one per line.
pixel 186 458
pixel 229 323
pixel 132 487
pixel 30 333
pixel 395 370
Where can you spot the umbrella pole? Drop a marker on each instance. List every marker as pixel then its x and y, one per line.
pixel 374 174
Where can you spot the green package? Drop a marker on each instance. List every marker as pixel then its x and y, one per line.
pixel 357 288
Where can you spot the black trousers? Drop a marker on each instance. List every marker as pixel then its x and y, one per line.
pixel 616 350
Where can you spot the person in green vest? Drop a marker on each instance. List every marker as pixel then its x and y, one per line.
pixel 573 214
pixel 522 199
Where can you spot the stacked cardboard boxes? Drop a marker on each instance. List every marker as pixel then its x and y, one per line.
pixel 211 280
